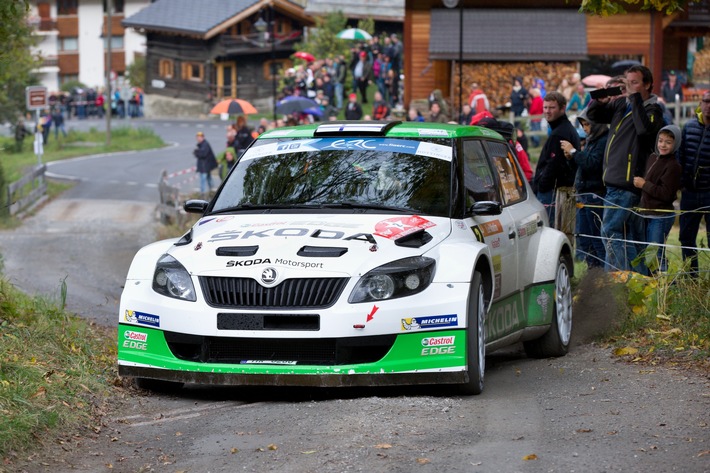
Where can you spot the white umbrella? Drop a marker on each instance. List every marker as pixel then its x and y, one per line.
pixel 354 33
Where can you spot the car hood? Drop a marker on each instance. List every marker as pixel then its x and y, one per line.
pixel 349 244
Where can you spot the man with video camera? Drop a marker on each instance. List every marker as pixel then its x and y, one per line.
pixel 635 119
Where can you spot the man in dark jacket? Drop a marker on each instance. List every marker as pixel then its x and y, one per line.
pixel 553 170
pixel 206 162
pixel 695 160
pixel 635 119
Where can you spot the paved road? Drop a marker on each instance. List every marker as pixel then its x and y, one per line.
pixel 584 412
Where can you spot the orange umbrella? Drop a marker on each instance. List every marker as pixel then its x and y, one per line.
pixel 233 107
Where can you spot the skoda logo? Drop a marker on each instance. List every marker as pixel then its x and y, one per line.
pixel 268 276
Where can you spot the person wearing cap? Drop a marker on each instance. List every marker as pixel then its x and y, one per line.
pixel 672 88
pixel 589 186
pixel 362 75
pixel 353 110
pixel 206 162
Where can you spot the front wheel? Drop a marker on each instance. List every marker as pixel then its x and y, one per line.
pixel 475 337
pixel 555 342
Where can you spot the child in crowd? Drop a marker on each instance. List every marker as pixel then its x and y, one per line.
pixel 659 189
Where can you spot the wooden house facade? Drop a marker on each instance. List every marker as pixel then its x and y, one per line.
pixel 205 50
pixel 550 38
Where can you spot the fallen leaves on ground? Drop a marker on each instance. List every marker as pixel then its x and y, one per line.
pixel 532 456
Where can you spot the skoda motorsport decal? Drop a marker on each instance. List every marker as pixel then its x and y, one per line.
pixel 432 321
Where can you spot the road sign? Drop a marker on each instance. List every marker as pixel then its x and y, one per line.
pixel 36 97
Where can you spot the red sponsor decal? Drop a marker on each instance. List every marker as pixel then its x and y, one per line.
pixel 371 315
pixel 398 227
pixel 142 337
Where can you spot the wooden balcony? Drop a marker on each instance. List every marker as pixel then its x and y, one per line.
pixel 252 43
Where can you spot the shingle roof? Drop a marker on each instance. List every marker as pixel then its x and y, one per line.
pixel 186 16
pixel 509 34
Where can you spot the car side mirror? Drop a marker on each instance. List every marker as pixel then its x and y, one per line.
pixel 195 206
pixel 486 207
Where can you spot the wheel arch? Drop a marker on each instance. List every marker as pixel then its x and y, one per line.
pixel 553 245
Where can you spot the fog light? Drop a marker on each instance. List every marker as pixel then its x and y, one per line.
pixel 412 281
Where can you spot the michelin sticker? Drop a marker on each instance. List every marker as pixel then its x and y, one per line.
pixel 136 317
pixel 417 323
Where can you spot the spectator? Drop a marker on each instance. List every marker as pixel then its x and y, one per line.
pixel 580 99
pixel 555 174
pixel 380 109
pixel 635 121
pixel 45 125
pixel 328 109
pixel 244 136
pixel 477 99
pixel 362 75
pixel 392 86
pixel 671 88
pixel 353 110
pixel 694 158
pixel 21 132
pixel 231 136
pixel 58 120
pixel 206 162
pixel 437 96
pixel 436 115
pixel 519 97
pixel 413 115
pixel 466 114
pixel 536 103
pixel 227 162
pixel 589 186
pixel 659 188
pixel 340 79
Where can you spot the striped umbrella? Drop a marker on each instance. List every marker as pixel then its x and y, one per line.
pixel 355 34
pixel 233 107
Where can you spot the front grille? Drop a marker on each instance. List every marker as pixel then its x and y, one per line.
pixel 241 293
pixel 310 351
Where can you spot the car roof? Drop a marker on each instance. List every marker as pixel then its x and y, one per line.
pixel 391 129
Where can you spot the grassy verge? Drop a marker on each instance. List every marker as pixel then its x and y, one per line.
pixel 667 316
pixel 55 371
pixel 76 143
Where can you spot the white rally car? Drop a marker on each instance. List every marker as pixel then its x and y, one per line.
pixel 352 254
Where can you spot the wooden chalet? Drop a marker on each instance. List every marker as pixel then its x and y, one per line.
pixel 205 50
pixel 549 39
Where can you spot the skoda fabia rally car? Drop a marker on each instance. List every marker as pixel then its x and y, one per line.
pixel 352 254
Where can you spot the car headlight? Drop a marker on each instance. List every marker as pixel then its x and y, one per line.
pixel 172 279
pixel 399 278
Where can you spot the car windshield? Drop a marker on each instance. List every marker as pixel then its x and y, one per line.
pixel 369 173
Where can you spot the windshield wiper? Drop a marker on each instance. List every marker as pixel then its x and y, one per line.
pixel 250 206
pixel 368 206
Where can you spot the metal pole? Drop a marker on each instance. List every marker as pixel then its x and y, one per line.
pixel 273 72
pixel 460 59
pixel 107 101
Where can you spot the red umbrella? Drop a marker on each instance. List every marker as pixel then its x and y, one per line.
pixel 308 57
pixel 233 107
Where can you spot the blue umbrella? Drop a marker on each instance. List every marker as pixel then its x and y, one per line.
pixel 298 104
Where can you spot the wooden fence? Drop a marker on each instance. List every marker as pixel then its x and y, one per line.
pixel 27 190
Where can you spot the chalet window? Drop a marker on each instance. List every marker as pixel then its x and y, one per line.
pixel 64 78
pixel 193 71
pixel 166 68
pixel 116 42
pixel 67 7
pixel 117 6
pixel 275 68
pixel 69 44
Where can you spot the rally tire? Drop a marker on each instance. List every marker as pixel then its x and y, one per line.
pixel 475 337
pixel 158 385
pixel 555 342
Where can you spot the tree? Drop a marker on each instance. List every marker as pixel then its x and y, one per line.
pixel 615 7
pixel 136 72
pixel 322 41
pixel 16 65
